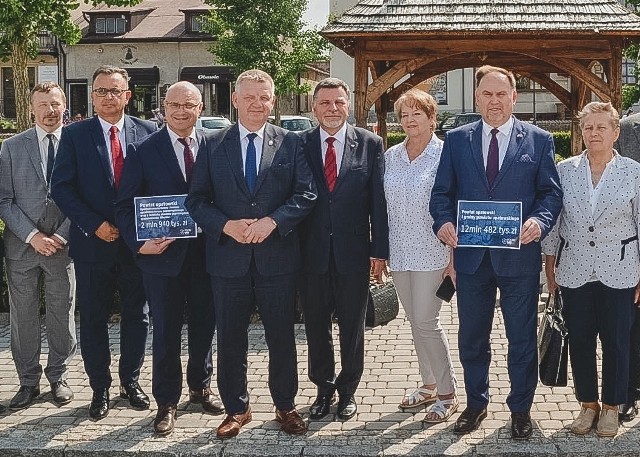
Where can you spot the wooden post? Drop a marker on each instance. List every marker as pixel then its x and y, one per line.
pixel 615 76
pixel 577 91
pixel 361 82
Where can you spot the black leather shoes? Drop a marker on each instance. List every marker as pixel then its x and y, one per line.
pixel 165 420
pixel 469 420
pixel 99 407
pixel 627 411
pixel 521 427
pixel 137 398
pixel 347 407
pixel 321 406
pixel 61 392
pixel 210 403
pixel 24 397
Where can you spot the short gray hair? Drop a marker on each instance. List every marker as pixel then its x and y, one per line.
pixel 255 75
pixel 331 83
pixel 600 107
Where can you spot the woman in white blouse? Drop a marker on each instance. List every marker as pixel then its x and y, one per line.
pixel 593 255
pixel 417 259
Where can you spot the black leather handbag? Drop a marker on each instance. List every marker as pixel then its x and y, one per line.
pixel 553 344
pixel 383 303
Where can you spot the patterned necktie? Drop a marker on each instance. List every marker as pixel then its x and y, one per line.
pixel 116 156
pixel 188 157
pixel 51 157
pixel 250 174
pixel 492 158
pixel 330 167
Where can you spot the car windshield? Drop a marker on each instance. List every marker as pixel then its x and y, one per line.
pixel 296 124
pixel 215 123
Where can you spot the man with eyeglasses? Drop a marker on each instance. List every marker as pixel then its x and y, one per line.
pixel 173 270
pixel 84 183
pixel 36 234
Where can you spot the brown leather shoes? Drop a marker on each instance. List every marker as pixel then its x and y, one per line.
pixel 232 424
pixel 165 419
pixel 205 397
pixel 291 422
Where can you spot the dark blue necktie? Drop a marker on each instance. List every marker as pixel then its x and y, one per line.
pixel 51 157
pixel 492 158
pixel 250 174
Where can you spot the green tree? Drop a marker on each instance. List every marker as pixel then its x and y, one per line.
pixel 268 35
pixel 20 22
pixel 631 92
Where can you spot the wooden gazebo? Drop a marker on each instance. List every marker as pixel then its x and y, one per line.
pixel 397 44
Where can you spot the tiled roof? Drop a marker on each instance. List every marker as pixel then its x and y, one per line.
pixel 165 19
pixel 463 16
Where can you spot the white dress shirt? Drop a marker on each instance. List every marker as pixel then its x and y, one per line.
pixel 407 185
pixel 257 141
pixel 503 136
pixel 43 144
pixel 106 127
pixel 341 137
pixel 178 148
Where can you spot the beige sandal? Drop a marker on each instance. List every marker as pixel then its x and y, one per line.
pixel 418 397
pixel 441 410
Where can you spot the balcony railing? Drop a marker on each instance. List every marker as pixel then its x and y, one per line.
pixel 47 43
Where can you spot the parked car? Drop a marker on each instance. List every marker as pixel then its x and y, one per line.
pixel 212 122
pixel 456 121
pixel 293 123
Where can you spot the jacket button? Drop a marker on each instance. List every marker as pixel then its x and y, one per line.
pixel 591 229
pixel 253 203
pixel 592 243
pixel 330 201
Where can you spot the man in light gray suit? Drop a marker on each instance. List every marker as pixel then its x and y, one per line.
pixel 36 234
pixel 628 145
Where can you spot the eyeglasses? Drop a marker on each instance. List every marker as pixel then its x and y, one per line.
pixel 102 92
pixel 176 106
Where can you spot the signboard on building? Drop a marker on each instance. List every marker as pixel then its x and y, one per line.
pixel 48 73
pixel 439 89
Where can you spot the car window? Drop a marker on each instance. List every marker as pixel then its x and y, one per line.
pixel 215 123
pixel 296 124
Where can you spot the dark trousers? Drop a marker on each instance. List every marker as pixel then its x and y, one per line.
pixel 591 311
pixel 634 360
pixel 476 305
pixel 167 298
pixel 95 286
pixel 321 296
pixel 235 299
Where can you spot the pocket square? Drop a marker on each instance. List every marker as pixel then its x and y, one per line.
pixel 526 158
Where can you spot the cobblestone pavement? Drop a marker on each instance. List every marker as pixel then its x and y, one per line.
pixel 379 428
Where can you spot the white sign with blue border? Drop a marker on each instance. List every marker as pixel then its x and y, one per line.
pixel 489 224
pixel 163 216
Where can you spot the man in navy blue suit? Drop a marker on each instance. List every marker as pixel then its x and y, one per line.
pixel 84 183
pixel 497 158
pixel 251 188
pixel 173 270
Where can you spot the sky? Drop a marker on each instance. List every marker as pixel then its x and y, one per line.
pixel 317 12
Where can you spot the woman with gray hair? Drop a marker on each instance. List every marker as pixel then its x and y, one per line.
pixel 592 254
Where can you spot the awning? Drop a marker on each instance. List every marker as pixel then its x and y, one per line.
pixel 199 75
pixel 149 76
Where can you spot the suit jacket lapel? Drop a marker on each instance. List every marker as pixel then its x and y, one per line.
pixel 32 149
pixel 348 156
pixel 130 134
pixel 168 155
pixel 518 135
pixel 580 187
pixel 270 144
pixel 234 154
pixel 636 131
pixel 617 174
pixel 475 142
pixel 313 150
pixel 101 148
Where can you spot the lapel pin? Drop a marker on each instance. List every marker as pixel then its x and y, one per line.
pixel 270 142
pixel 519 135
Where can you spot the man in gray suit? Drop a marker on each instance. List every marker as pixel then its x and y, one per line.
pixel 628 144
pixel 36 234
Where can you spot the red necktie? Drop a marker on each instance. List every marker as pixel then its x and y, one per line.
pixel 492 158
pixel 188 157
pixel 330 167
pixel 116 156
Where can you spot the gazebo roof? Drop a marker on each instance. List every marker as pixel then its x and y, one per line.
pixel 472 17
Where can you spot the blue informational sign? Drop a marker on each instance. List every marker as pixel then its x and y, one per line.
pixel 163 216
pixel 489 224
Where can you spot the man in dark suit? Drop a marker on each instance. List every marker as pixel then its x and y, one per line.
pixel 85 179
pixel 343 239
pixel 628 144
pixel 173 270
pixel 497 158
pixel 251 188
pixel 36 234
